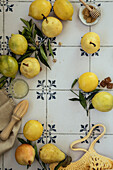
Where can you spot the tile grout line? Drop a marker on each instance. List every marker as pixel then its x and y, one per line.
pixel 46 105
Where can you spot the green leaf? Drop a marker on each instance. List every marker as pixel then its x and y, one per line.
pixel 26 28
pixel 22 141
pixel 43 61
pixel 34 34
pixel 2 79
pixel 64 163
pixel 36 153
pixel 50 49
pixel 91 95
pixel 39 33
pixel 82 100
pixel 74 99
pixel 30 22
pixel 25 22
pixel 91 106
pixel 29 142
pixel 28 166
pixel 43 53
pixel 24 56
pixel 74 82
pixel 2 84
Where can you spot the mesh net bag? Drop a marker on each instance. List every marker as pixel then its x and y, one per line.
pixel 91 160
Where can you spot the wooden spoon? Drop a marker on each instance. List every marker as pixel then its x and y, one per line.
pixel 18 113
pixel 94 12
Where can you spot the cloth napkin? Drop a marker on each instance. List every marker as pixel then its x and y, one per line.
pixel 7 106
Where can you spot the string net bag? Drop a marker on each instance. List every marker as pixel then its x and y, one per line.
pixel 91 160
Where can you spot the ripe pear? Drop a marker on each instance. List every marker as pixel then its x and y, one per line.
pixel 90 42
pixel 49 153
pixel 51 27
pixel 30 67
pixel 25 154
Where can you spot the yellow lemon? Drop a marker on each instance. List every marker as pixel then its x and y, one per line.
pixel 103 101
pixel 33 130
pixel 30 67
pixel 63 9
pixel 18 44
pixel 39 7
pixel 52 27
pixel 90 42
pixel 88 82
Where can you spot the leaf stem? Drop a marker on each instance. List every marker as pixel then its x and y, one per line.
pixel 74 92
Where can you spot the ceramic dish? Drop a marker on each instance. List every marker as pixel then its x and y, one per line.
pixel 82 18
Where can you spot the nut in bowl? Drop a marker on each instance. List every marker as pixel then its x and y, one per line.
pixel 85 16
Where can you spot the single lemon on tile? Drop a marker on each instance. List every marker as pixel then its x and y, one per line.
pixel 18 44
pixel 30 67
pixel 52 27
pixel 103 101
pixel 88 81
pixel 33 130
pixel 8 66
pixel 90 42
pixel 39 7
pixel 63 9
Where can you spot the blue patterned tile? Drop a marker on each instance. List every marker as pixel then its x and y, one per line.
pixel 46 89
pixel 8 6
pixel 51 138
pixel 1 6
pixel 85 128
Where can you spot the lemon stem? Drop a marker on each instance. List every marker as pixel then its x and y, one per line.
pixel 25 64
pixel 93 44
pixel 45 18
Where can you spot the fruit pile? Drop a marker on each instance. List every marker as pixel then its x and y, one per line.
pixel 90 97
pixel 27 152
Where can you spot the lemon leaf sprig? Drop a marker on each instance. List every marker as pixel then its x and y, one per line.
pixel 83 97
pixel 30 32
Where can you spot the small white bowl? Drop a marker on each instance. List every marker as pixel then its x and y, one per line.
pixel 82 18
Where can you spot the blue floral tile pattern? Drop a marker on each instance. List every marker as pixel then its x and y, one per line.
pixel 1 5
pixel 48 134
pixel 46 89
pixel 8 7
pixel 84 128
pixel 83 53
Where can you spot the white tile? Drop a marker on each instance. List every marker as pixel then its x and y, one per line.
pixel 105 118
pixel 102 65
pixel 36 109
pixel 63 142
pixel 9 158
pixel 66 115
pixel 69 66
pixel 73 30
pixel 104 26
pixel 105 146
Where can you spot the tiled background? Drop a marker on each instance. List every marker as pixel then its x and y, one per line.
pixel 64 121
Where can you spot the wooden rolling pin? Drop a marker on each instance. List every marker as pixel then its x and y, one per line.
pixel 18 112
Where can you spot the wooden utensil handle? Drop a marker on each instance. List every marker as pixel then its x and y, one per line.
pixel 6 132
pixel 87 6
